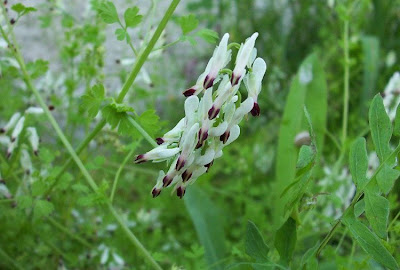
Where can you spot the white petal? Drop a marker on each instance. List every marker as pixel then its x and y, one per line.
pixel 34 110
pixel 206 158
pixel 235 132
pixel 190 140
pixel 13 120
pixel 218 130
pixel 18 128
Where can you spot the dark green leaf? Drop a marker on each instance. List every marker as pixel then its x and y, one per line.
pixel 108 12
pixel 24 202
pixel 386 178
pixel 381 127
pixel 359 163
pixel 377 212
pixel 208 35
pixel 254 244
pixel 285 240
pixel 188 23
pixel 359 208
pixel 369 242
pixel 131 17
pixel 208 224
pixel 42 208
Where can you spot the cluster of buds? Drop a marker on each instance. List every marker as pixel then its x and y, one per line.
pixel 212 122
pixel 11 131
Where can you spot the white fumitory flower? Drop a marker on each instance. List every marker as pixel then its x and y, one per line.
pixel 33 139
pixel 211 122
pixel 11 123
pixel 391 95
pixel 34 110
pixel 18 128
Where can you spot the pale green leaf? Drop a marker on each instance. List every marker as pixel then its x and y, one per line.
pixel 120 33
pixel 188 23
pixel 108 12
pixel 208 35
pixel 131 17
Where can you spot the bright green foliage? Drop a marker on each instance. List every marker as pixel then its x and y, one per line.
pixel 208 35
pixel 149 121
pixel 188 23
pixel 132 19
pixel 42 208
pixel 93 99
pixel 108 12
pixel 22 10
pixel 359 163
pixel 254 244
pixel 285 240
pixel 37 68
pixel 369 242
pixel 381 128
pixel 121 33
pixel 209 226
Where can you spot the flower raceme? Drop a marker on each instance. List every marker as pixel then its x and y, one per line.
pixel 211 122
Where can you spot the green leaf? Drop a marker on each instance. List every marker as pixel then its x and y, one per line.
pixel 21 9
pixel 359 208
pixel 116 115
pixel 396 131
pixel 377 212
pixel 381 127
pixel 254 245
pixel 308 88
pixel 359 163
pixel 386 178
pixel 208 35
pixel 120 33
pixel 285 240
pixel 208 224
pixel 108 12
pixel 42 208
pixel 309 260
pixel 149 121
pixel 37 68
pixel 120 107
pixel 92 100
pixel 306 156
pixel 369 242
pixel 188 23
pixel 24 202
pixel 131 17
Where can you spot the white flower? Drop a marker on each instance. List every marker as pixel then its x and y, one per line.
pixel 18 128
pixel 26 162
pixel 253 83
pixel 34 110
pixel 158 154
pixel 33 139
pixel 242 58
pixel 392 95
pixel 11 123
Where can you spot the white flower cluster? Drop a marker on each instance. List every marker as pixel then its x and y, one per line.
pixel 210 123
pixel 11 131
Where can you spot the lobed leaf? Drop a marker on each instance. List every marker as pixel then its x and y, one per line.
pixel 188 23
pixel 108 12
pixel 93 99
pixel 132 19
pixel 208 35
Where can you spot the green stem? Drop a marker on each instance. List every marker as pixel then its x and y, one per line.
pixel 67 232
pixel 356 198
pixel 167 45
pixel 67 144
pixel 143 132
pixel 346 82
pixel 393 221
pixel 117 175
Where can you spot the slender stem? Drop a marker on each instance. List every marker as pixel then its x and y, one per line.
pixel 69 147
pixel 355 200
pixel 143 132
pixel 9 259
pixel 341 240
pixel 167 45
pixel 117 175
pixel 346 82
pixel 393 221
pixel 67 232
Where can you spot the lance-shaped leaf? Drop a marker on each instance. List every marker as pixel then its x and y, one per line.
pixel 377 212
pixel 369 242
pixel 386 178
pixel 381 128
pixel 255 245
pixel 359 163
pixel 285 240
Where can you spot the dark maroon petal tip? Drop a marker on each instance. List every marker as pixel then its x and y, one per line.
pixel 186 176
pixel 212 113
pixel 140 159
pixel 256 109
pixel 2 130
pixel 208 166
pixel 189 92
pixel 166 181
pixel 36 152
pixel 180 192
pixel 224 137
pixel 51 107
pixel 13 139
pixel 208 82
pixel 2 181
pixel 160 140
pixel 234 79
pixel 155 192
pixel 180 164
pixel 8 155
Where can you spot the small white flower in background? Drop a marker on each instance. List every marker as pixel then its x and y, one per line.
pixel 33 139
pixel 212 121
pixel 391 95
pixel 11 123
pixel 34 110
